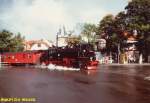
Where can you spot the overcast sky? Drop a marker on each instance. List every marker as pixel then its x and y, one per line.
pixel 37 19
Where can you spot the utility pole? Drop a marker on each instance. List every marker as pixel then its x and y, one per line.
pixel 118 53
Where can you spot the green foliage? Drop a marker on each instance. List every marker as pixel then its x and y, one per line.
pixel 5 39
pixel 107 30
pixel 73 40
pixel 135 17
pixel 89 31
pixel 106 25
pixel 138 14
pixel 18 42
pixel 10 42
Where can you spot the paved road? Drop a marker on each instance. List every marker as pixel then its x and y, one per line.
pixel 109 84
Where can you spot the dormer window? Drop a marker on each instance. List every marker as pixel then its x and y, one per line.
pixel 39 45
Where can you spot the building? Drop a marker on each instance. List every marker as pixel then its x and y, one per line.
pixel 37 45
pixel 130 50
pixel 62 40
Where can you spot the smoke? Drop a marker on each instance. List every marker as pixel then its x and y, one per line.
pixel 37 19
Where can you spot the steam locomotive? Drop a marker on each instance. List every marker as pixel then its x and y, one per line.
pixel 79 56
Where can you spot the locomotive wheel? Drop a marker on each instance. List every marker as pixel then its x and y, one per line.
pixel 82 66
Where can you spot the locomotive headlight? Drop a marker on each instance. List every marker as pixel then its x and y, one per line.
pixel 84 50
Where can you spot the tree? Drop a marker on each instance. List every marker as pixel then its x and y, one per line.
pixel 10 42
pixel 138 15
pixel 89 31
pixel 73 40
pixel 135 17
pixel 105 26
pixel 107 30
pixel 18 42
pixel 5 40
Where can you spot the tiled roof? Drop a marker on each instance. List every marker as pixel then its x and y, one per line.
pixel 29 44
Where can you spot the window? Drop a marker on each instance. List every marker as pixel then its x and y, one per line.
pixel 29 56
pixel 39 45
pixel 24 56
pixel 9 57
pixel 13 57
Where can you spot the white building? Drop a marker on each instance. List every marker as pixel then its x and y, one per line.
pixel 37 45
pixel 62 41
pixel 131 51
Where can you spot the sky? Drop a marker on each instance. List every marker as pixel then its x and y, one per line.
pixel 41 19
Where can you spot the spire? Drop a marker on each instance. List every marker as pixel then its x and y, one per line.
pixel 59 31
pixel 64 29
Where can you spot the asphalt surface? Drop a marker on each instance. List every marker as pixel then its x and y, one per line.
pixel 108 84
